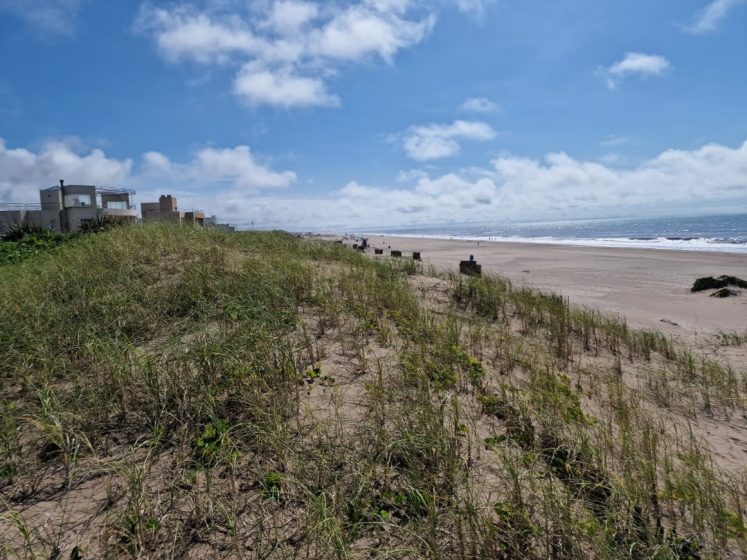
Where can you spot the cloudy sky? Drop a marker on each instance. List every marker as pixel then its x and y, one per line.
pixel 381 113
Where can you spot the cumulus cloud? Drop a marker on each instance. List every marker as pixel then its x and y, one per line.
pixel 478 105
pixel 289 16
pixel 284 51
pixel 675 176
pixel 436 141
pixel 241 187
pixel 236 170
pixel 281 88
pixel 361 31
pixel 181 33
pixel 50 16
pixel 217 168
pixel 632 64
pixel 555 187
pixel 23 172
pixel 709 18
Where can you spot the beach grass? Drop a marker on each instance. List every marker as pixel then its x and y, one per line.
pixel 171 392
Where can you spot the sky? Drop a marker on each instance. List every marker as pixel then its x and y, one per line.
pixel 374 114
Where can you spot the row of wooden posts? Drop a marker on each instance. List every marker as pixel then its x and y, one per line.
pixel 469 267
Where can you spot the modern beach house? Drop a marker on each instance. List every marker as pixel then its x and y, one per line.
pixel 167 210
pixel 63 208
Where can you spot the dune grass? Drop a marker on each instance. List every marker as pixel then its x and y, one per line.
pixel 172 393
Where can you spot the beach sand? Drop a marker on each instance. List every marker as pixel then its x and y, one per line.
pixel 649 287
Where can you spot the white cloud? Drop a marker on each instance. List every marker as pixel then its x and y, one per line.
pixel 157 163
pixel 474 7
pixel 563 184
pixel 239 167
pixel 408 175
pixel 478 105
pixel 514 188
pixel 281 88
pixel 181 33
pixel 435 141
pixel 634 63
pixel 50 16
pixel 284 50
pixel 709 18
pixel 289 16
pixel 24 172
pixel 233 182
pixel 217 168
pixel 360 31
pixel 232 171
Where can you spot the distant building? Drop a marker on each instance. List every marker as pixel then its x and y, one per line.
pixel 166 210
pixel 212 221
pixel 63 208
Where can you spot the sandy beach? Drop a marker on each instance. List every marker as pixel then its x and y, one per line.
pixel 650 287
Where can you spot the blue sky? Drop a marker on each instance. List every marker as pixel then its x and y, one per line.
pixel 381 113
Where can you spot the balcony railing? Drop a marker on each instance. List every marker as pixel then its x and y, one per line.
pixel 19 206
pixel 126 207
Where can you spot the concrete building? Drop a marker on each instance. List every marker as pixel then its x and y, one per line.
pixel 166 210
pixel 63 208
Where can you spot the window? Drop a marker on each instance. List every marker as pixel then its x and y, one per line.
pixel 77 200
pixel 118 204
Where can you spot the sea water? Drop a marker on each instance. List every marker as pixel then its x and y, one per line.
pixel 726 233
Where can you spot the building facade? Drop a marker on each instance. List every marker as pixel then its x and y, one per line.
pixel 166 210
pixel 63 208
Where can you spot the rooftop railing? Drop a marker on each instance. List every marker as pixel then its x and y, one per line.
pixel 101 190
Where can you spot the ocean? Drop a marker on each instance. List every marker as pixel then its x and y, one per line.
pixel 726 233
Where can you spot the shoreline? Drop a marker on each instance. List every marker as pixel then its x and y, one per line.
pixel 650 288
pixel 695 244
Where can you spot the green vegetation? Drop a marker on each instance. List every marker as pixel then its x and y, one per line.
pixel 172 393
pixel 23 241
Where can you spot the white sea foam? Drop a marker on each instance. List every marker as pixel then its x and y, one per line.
pixel 695 244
